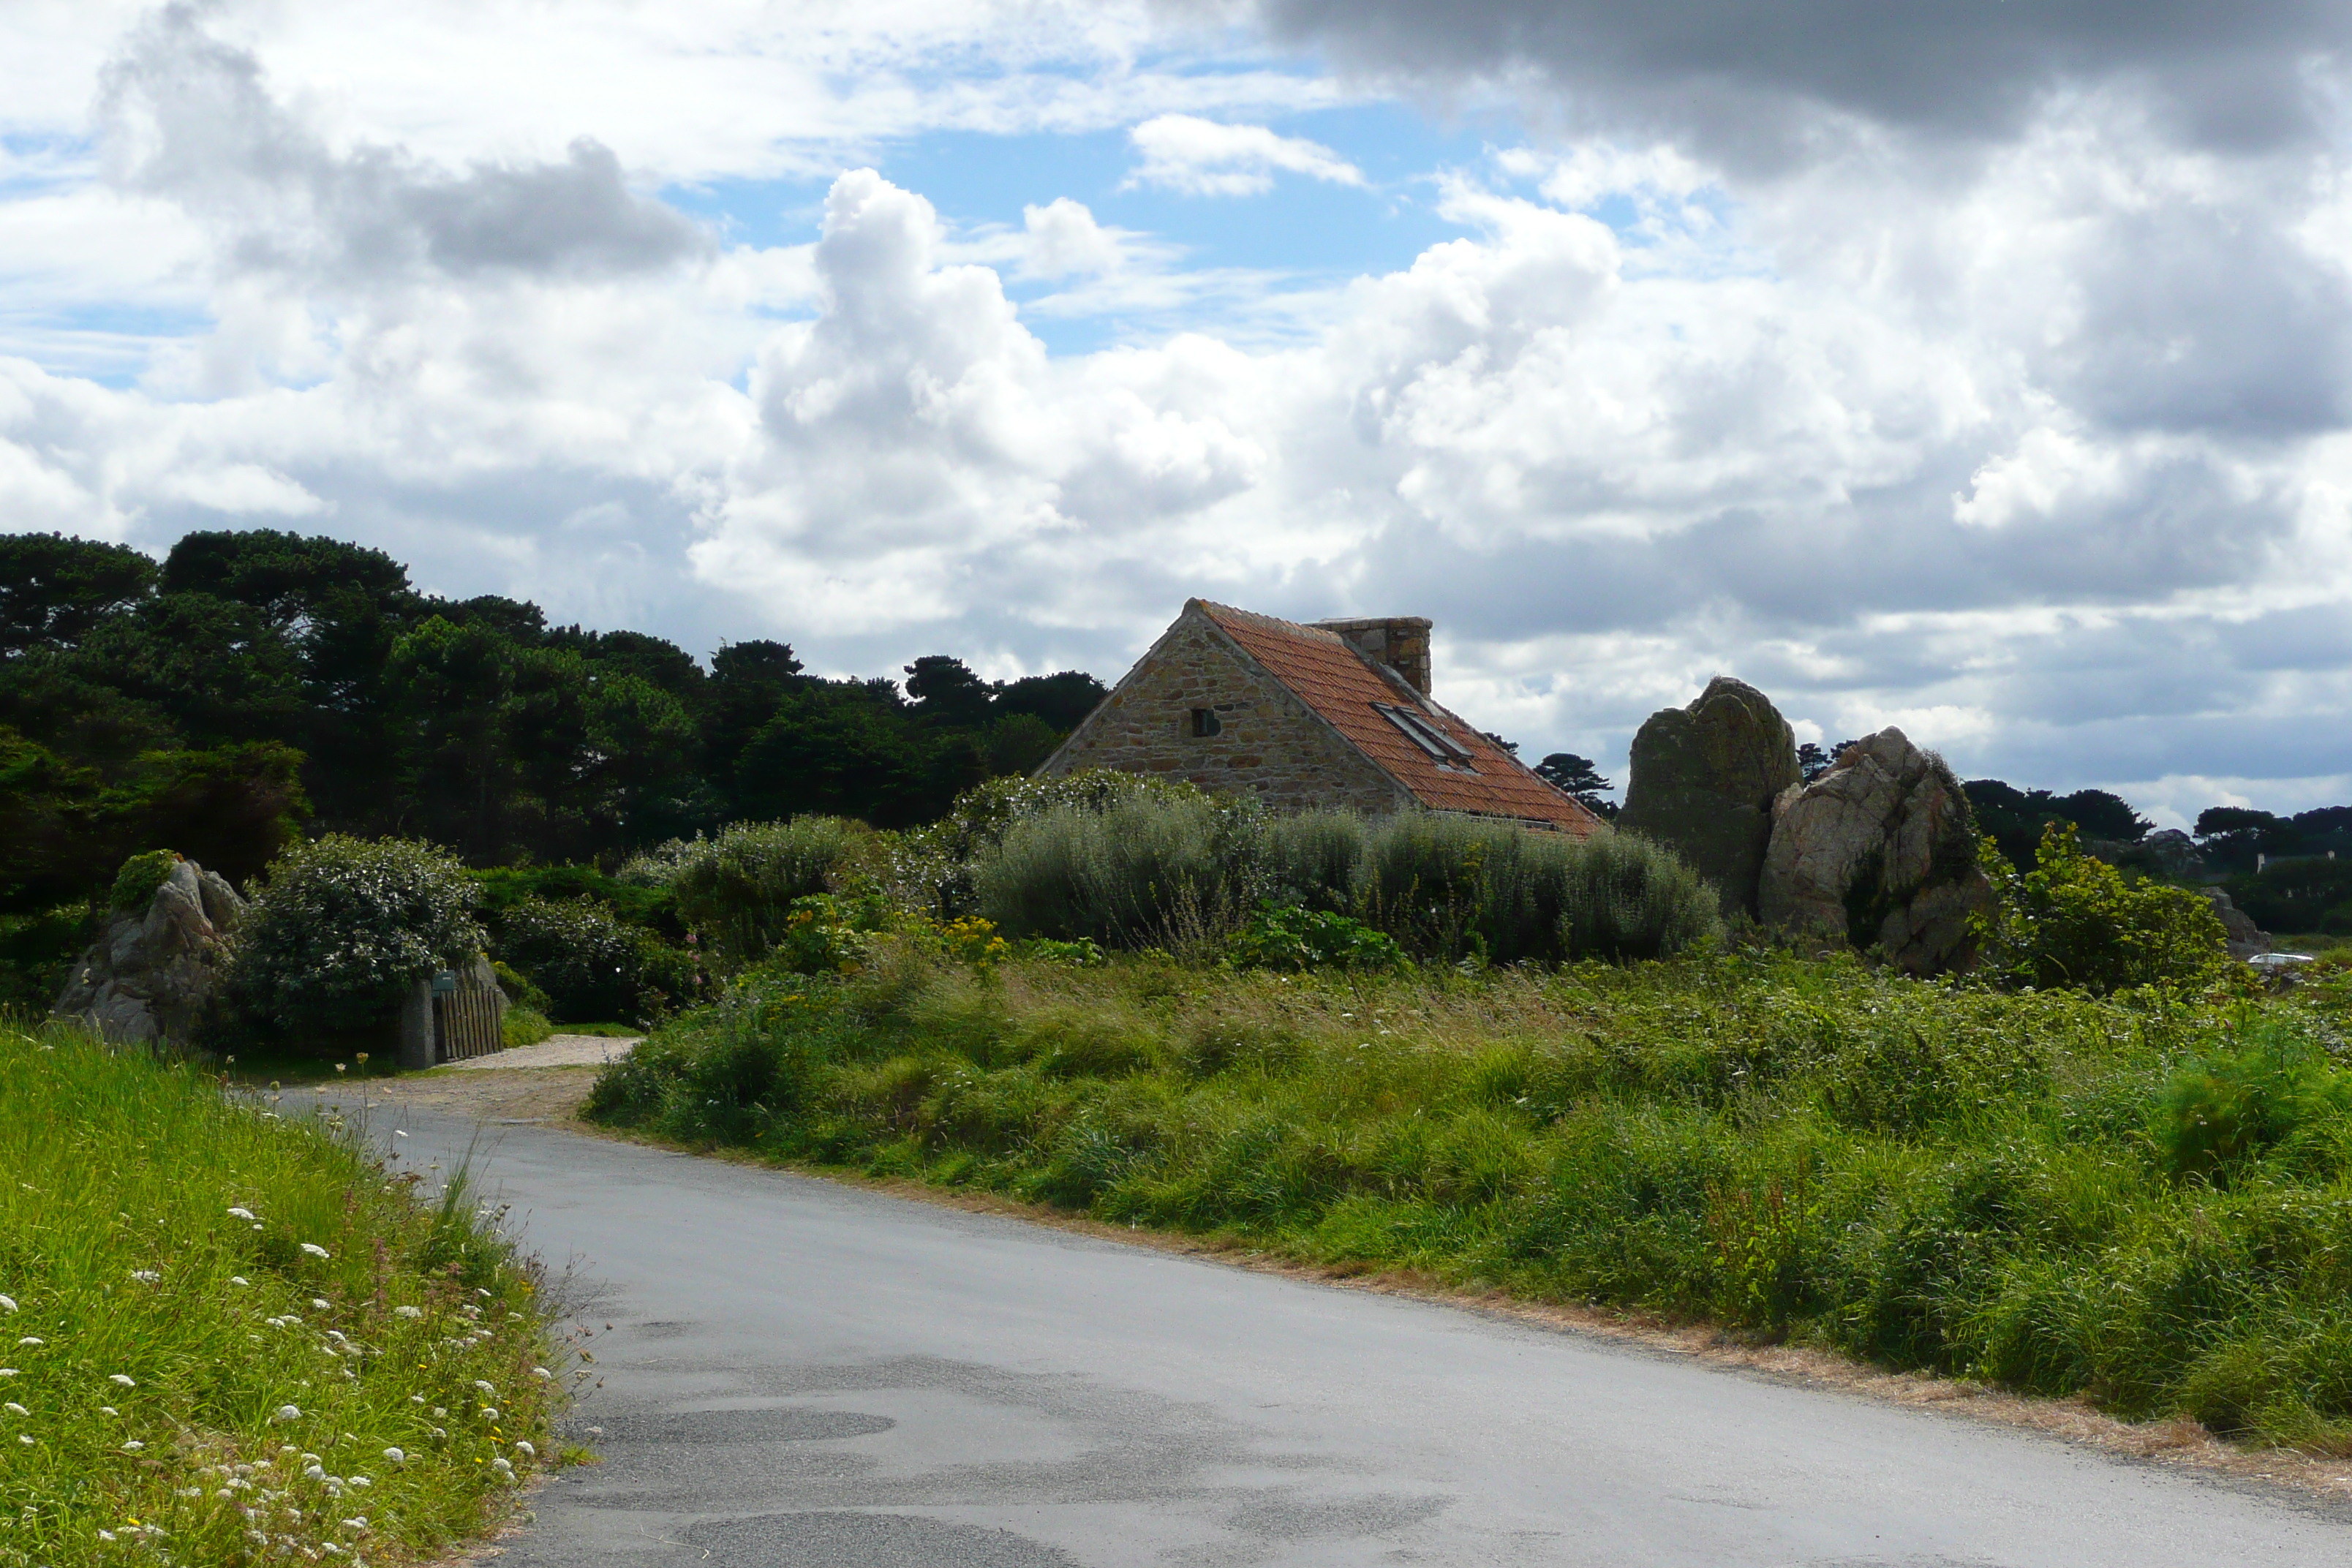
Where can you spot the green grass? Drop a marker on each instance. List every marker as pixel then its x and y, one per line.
pixel 174 1364
pixel 2143 1198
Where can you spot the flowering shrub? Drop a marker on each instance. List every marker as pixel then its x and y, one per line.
pixel 341 926
pixel 826 935
pixel 972 939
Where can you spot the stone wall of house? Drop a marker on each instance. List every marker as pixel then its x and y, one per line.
pixel 1267 744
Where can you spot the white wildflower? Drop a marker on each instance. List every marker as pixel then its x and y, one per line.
pixel 133 1446
pixel 541 1372
pixel 29 1340
pixel 8 1303
pixel 359 1481
pixel 288 1413
pixel 25 1439
pixel 118 1377
pixel 240 1279
pixel 106 1535
pixel 397 1456
pixel 357 1524
pixel 7 1372
pixel 108 1410
pixel 13 1408
pixel 315 1472
pixel 489 1412
pixel 315 1251
pixel 485 1387
pixel 242 1214
pixel 525 1450
pixel 406 1312
pixel 145 1276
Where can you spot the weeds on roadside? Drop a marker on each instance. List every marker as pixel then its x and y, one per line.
pixel 228 1336
pixel 2146 1198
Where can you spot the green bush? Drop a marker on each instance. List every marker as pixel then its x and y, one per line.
pixel 647 904
pixel 1144 871
pixel 1623 897
pixel 1182 871
pixel 737 890
pixel 587 965
pixel 1292 937
pixel 37 954
pixel 2075 922
pixel 142 876
pixel 340 927
pixel 930 869
pixel 521 1026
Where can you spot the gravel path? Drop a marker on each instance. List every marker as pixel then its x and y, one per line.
pixel 555 1051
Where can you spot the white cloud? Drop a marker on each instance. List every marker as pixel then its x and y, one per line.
pixel 1197 157
pixel 2040 456
pixel 1063 240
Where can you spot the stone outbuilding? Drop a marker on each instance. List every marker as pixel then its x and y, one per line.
pixel 1335 715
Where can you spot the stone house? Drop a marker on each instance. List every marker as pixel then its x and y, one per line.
pixel 1333 715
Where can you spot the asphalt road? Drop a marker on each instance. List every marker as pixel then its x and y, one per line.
pixel 804 1374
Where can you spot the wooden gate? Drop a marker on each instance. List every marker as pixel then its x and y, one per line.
pixel 467 1004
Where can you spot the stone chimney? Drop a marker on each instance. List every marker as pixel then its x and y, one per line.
pixel 1400 642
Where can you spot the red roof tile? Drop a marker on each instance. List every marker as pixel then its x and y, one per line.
pixel 1342 686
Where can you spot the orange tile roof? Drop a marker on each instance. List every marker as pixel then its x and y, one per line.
pixel 1342 685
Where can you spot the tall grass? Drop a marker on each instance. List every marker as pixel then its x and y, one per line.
pixel 230 1337
pixel 1181 873
pixel 2145 1199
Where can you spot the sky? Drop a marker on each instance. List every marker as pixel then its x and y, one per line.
pixel 1981 368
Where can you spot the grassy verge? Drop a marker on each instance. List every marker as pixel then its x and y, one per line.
pixel 235 1338
pixel 2142 1199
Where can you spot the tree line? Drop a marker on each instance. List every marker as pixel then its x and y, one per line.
pixel 254 684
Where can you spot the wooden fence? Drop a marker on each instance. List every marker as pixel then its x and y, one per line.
pixel 466 1016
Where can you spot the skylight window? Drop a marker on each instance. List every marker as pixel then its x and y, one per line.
pixel 1426 734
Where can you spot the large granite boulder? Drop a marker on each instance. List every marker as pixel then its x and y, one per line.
pixel 152 975
pixel 2246 938
pixel 1704 780
pixel 1879 851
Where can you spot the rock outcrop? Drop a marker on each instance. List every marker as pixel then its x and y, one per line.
pixel 152 975
pixel 2246 939
pixel 1704 781
pixel 1879 851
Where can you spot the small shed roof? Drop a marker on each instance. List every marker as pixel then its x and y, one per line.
pixel 1349 692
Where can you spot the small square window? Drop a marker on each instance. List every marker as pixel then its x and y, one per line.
pixel 1206 723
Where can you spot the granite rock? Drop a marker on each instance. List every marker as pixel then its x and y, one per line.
pixel 153 974
pixel 1704 781
pixel 1879 852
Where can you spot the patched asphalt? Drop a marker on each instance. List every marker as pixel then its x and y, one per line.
pixel 803 1372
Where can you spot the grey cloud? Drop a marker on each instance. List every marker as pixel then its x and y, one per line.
pixel 2200 320
pixel 1747 81
pixel 190 119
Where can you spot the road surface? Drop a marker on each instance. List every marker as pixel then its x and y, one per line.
pixel 806 1374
